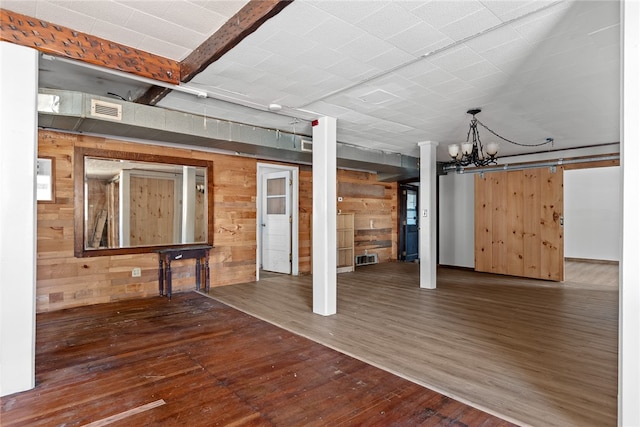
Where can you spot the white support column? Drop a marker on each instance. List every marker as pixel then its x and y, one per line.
pixel 629 339
pixel 428 248
pixel 188 204
pixel 18 153
pixel 324 217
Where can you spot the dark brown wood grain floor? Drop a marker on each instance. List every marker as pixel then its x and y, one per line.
pixel 193 361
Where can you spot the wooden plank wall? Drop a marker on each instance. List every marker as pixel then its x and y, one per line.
pixel 65 281
pixel 517 223
pixel 375 205
pixel 152 211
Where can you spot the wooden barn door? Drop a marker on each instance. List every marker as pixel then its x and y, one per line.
pixel 518 223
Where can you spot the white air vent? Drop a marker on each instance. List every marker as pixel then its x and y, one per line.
pixel 306 145
pixel 106 110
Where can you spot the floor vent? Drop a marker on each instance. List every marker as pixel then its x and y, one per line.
pixel 106 110
pixel 366 259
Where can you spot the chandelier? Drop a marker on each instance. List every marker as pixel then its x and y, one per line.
pixel 472 152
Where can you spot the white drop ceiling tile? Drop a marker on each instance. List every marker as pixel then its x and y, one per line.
pixel 285 43
pixel 439 14
pixel 599 16
pixel 248 55
pixel 494 38
pixel 420 39
pixel 508 55
pixel 152 8
pixel 299 18
pixel 433 77
pixel 456 58
pixel 450 87
pixel 320 57
pixel 397 85
pixel 193 17
pixel 352 69
pixel 471 25
pixel 388 21
pixel 108 11
pixel 365 48
pixel 226 8
pixel 416 69
pixel 67 17
pixel 349 11
pixel 537 26
pixel 164 30
pixel 28 8
pixel 334 33
pixel 390 59
pixel 475 71
pixel 606 37
pixel 510 9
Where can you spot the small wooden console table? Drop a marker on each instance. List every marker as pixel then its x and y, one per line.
pixel 165 256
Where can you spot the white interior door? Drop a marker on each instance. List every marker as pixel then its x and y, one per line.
pixel 276 222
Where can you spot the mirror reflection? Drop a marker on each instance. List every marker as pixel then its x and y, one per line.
pixel 131 203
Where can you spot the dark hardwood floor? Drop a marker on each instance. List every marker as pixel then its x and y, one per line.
pixel 194 361
pixel 532 352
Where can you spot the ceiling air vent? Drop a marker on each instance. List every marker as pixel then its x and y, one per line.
pixel 306 145
pixel 106 110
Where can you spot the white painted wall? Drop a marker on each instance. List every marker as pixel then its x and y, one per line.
pixel 629 324
pixel 592 219
pixel 18 151
pixel 455 210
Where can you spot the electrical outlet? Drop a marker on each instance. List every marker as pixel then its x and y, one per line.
pixel 136 272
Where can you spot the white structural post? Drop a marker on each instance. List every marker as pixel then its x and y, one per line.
pixel 324 217
pixel 18 152
pixel 428 249
pixel 629 338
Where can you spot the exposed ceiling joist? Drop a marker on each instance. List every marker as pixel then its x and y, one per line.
pixel 246 21
pixel 68 43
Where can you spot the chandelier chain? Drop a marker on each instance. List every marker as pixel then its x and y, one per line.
pixel 547 141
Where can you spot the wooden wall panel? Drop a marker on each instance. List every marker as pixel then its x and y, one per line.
pixel 531 222
pixel 498 182
pixel 375 208
pixel 515 223
pixel 551 233
pixel 65 281
pixel 483 241
pixel 522 235
pixel 152 208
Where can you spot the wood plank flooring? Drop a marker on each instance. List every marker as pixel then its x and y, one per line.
pixel 194 361
pixel 533 352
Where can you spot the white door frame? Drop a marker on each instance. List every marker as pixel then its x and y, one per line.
pixel 263 168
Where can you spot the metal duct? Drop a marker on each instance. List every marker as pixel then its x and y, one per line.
pixel 72 111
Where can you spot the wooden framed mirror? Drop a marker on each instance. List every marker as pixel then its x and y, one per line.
pixel 128 203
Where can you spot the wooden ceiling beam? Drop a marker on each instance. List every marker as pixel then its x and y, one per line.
pixel 244 22
pixel 61 41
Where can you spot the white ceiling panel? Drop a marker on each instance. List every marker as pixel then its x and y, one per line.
pixel 388 21
pixel 536 68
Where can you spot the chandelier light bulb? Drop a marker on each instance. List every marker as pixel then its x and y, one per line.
pixel 467 147
pixel 454 149
pixel 492 148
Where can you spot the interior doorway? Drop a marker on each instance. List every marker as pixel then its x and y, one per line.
pixel 277 219
pixel 408 244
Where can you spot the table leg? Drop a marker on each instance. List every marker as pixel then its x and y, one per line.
pixel 169 278
pixel 160 276
pixel 206 273
pixel 198 273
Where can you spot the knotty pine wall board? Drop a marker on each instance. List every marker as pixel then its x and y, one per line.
pixel 64 281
